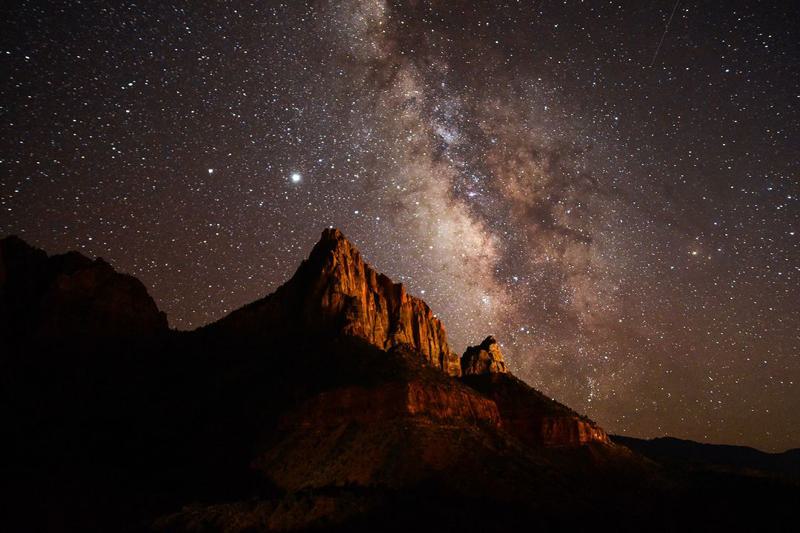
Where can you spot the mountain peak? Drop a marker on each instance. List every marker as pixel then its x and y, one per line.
pixel 336 292
pixel 332 234
pixel 373 307
pixel 331 239
pixel 332 243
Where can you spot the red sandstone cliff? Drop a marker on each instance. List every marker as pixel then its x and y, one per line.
pixel 334 292
pixel 394 431
pixel 534 418
pixel 483 359
pixel 525 412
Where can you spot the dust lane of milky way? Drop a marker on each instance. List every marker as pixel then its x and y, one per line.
pixel 627 231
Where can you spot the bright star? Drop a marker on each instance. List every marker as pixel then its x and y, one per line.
pixel 295 177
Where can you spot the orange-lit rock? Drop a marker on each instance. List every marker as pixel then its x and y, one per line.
pixel 390 434
pixel 335 292
pixel 486 358
pixel 533 417
pixel 403 399
pixel 525 412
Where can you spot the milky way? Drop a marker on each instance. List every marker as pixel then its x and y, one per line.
pixel 628 231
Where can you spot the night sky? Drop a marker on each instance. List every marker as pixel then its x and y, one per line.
pixel 610 188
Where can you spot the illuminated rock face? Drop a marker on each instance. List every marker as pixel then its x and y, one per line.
pixel 374 308
pixel 532 417
pixel 486 358
pixel 335 292
pixel 525 412
pixel 352 435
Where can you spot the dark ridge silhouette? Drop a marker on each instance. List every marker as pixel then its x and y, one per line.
pixel 724 457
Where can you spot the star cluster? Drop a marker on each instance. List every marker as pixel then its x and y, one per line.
pixel 620 211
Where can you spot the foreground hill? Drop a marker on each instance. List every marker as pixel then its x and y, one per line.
pixel 334 403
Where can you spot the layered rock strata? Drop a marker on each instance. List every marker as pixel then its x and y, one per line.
pixel 335 292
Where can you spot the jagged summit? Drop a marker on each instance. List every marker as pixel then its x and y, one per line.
pixel 331 235
pixel 336 292
pixel 331 242
pixel 486 358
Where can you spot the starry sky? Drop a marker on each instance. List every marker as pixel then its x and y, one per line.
pixel 610 188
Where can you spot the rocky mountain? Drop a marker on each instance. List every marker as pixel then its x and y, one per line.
pixel 70 296
pixel 335 403
pixel 335 293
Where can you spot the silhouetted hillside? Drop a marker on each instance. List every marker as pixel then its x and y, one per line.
pixel 736 459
